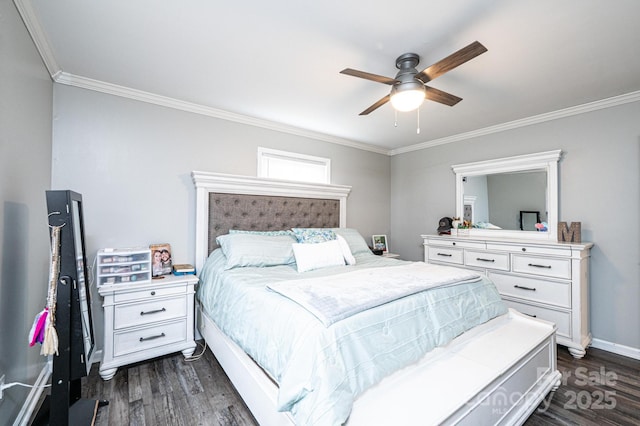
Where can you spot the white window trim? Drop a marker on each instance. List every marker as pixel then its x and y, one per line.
pixel 265 154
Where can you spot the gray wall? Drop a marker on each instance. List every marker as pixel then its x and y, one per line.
pixel 25 173
pixel 132 163
pixel 599 177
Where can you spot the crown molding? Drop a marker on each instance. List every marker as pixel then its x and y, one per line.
pixel 536 119
pixel 139 95
pixel 57 75
pixel 37 35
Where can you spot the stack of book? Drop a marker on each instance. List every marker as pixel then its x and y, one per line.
pixel 184 269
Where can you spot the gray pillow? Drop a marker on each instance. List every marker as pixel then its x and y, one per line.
pixel 258 250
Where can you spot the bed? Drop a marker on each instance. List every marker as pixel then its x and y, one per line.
pixel 491 367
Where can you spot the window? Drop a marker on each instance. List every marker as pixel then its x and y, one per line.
pixel 293 166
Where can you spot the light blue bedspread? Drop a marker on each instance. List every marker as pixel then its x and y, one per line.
pixel 321 370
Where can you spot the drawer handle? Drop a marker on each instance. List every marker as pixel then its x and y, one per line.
pixel 144 339
pixel 485 260
pixel 540 266
pixel 525 288
pixel 530 315
pixel 445 254
pixel 153 312
pixel 153 293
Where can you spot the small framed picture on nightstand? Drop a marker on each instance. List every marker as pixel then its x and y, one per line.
pixel 160 259
pixel 380 243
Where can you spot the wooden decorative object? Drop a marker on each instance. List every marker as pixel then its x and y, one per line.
pixel 571 234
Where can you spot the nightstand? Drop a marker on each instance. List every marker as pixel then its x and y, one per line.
pixel 146 320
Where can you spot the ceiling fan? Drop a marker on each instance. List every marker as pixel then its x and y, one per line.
pixel 409 87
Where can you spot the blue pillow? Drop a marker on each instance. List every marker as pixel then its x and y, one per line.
pixel 313 235
pixel 248 249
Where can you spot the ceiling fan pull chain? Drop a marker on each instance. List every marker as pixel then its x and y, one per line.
pixel 418 128
pixel 395 118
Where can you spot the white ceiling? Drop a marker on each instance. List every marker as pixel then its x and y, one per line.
pixel 276 63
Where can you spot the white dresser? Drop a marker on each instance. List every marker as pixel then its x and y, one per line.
pixel 547 280
pixel 146 320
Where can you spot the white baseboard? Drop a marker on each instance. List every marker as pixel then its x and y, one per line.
pixel 31 403
pixel 616 348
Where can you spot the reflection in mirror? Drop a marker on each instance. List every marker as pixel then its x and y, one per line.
pixel 492 193
pixel 499 198
pixel 87 326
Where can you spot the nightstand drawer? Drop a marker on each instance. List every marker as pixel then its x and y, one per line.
pixel 149 337
pixel 485 259
pixel 148 312
pixel 446 254
pixel 543 266
pixel 130 296
pixel 537 290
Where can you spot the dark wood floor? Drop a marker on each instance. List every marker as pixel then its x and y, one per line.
pixel 600 389
pixel 168 391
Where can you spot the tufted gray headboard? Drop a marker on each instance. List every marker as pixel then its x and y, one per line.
pixel 226 202
pixel 268 213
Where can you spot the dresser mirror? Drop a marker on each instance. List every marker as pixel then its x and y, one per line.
pixel 510 197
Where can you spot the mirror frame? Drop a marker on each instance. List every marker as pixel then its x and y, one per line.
pixel 542 161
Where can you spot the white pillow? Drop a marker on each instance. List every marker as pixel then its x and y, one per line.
pixel 319 255
pixel 346 251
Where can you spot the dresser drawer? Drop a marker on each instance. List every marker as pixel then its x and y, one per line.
pixel 446 254
pixel 531 249
pixel 457 243
pixel 155 310
pixel 543 266
pixel 534 289
pixel 485 259
pixel 149 337
pixel 561 319
pixel 159 291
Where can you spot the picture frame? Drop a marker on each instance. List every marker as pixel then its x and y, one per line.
pixel 161 261
pixel 380 243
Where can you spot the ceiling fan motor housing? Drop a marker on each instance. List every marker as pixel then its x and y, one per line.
pixel 406 77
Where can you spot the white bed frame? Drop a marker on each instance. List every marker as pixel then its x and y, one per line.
pixel 497 373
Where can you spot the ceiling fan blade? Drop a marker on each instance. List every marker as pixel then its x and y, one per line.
pixel 376 105
pixel 450 62
pixel 437 95
pixel 368 76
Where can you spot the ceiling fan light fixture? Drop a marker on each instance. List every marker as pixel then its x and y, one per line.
pixel 407 96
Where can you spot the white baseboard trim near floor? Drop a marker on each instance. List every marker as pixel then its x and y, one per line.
pixel 616 348
pixel 31 403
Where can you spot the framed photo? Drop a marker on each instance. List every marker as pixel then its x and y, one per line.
pixel 380 243
pixel 160 259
